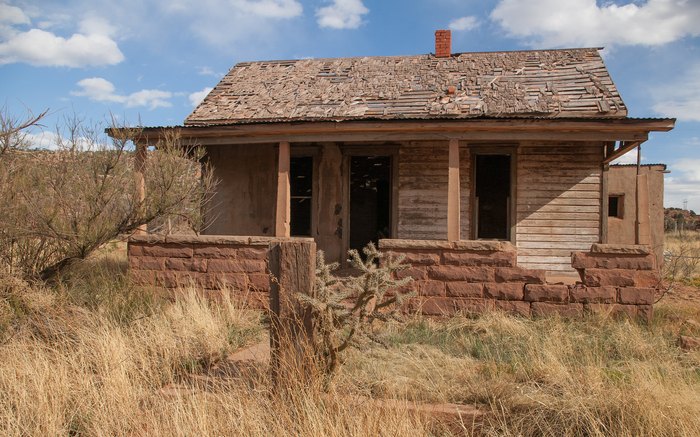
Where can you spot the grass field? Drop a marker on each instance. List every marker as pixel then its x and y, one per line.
pixel 95 357
pixel 683 252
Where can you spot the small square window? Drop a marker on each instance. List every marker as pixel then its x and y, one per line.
pixel 615 205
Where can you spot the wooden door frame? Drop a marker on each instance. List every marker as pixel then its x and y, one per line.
pixel 505 149
pixel 348 151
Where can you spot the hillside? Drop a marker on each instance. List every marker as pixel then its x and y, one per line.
pixel 677 218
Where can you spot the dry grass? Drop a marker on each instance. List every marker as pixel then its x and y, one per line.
pixel 545 377
pixel 683 255
pixel 96 357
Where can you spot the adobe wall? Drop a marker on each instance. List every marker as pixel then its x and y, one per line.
pixel 622 181
pixel 473 276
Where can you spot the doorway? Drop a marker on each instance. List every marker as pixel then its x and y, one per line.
pixel 492 196
pixel 370 200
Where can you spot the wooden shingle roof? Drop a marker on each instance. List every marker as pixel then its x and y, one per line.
pixel 572 83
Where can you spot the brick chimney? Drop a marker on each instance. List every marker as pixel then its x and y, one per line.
pixel 443 43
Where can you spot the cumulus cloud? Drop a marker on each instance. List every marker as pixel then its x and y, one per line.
pixel 12 15
pixel 683 184
pixel 464 23
pixel 102 90
pixel 271 8
pixel 197 96
pixel 91 46
pixel 342 14
pixel 556 23
pixel 680 102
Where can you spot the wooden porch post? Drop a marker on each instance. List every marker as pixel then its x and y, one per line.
pixel 453 192
pixel 283 196
pixel 139 179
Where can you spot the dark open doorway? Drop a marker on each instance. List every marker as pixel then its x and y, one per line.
pixel 370 199
pixel 492 196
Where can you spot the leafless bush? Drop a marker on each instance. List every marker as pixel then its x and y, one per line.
pixel 58 206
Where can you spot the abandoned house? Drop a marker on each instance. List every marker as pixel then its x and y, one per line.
pixel 489 171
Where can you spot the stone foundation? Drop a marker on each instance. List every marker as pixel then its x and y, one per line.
pixel 209 263
pixel 449 277
pixel 474 276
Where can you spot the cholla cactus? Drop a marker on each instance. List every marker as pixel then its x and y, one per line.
pixel 344 309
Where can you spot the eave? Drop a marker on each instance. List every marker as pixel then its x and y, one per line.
pixel 478 129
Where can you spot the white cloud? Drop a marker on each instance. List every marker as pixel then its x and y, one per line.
pixel 271 8
pixel 206 71
pixel 586 23
pixel 102 90
pixel 467 23
pixel 682 102
pixel 683 184
pixel 12 15
pixel 342 14
pixel 197 97
pixel 91 46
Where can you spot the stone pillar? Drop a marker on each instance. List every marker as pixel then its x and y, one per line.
pixel 453 192
pixel 282 218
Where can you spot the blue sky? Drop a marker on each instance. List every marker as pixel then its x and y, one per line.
pixel 150 62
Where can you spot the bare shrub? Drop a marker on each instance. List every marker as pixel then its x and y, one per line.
pixel 58 206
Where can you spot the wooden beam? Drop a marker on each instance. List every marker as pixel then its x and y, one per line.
pixel 453 207
pixel 282 217
pixel 471 129
pixel 624 148
pixel 140 180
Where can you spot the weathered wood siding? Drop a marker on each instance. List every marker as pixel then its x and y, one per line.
pixel 423 174
pixel 558 203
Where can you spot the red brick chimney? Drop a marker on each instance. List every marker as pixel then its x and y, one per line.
pixel 443 43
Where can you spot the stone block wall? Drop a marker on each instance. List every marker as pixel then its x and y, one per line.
pixel 474 276
pixel 210 263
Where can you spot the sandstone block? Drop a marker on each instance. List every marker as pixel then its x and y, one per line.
pixel 257 253
pixel 636 296
pixel 504 291
pixel 215 251
pixel 484 246
pixel 234 281
pixel 518 274
pixel 431 287
pixel 259 281
pixel 142 277
pixel 546 293
pixel 634 249
pixel 186 264
pixel 416 273
pixel 146 263
pixel 612 277
pixel 583 294
pixel 494 259
pixel 613 310
pixel 165 250
pixel 437 306
pixel 237 265
pixel 459 273
pixel 473 306
pixel 420 258
pixel 544 309
pixel 173 279
pixel 516 307
pixel 582 260
pixel 403 244
pixel 465 289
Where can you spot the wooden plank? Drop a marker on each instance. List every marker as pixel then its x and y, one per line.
pixel 560 223
pixel 453 198
pixel 570 216
pixel 549 230
pixel 548 238
pixel 525 194
pixel 545 259
pixel 282 214
pixel 528 208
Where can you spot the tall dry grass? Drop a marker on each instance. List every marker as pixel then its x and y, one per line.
pixel 682 255
pixel 95 357
pixel 545 377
